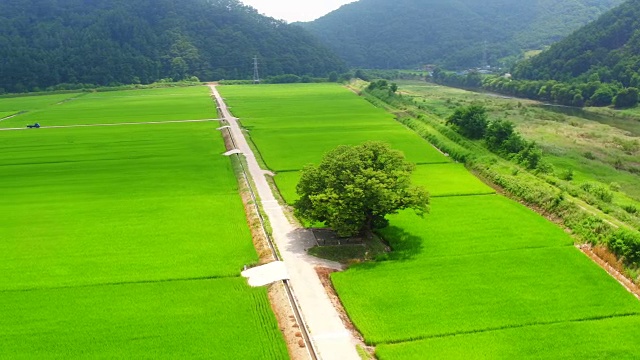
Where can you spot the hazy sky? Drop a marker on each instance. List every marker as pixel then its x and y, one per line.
pixel 296 10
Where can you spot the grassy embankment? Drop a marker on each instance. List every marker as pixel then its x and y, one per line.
pixel 480 276
pixel 121 241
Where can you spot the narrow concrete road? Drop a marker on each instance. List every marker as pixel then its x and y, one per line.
pixel 331 338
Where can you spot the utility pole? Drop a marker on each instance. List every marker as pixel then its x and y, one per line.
pixel 256 76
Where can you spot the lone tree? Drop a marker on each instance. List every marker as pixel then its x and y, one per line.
pixel 355 187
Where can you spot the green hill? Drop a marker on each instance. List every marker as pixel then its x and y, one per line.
pixel 451 33
pixel 606 50
pixel 102 42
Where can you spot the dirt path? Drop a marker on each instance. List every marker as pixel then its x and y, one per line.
pixel 331 339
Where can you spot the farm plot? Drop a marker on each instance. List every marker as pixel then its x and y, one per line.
pixel 129 203
pixel 213 319
pixel 124 106
pixel 294 125
pixel 404 301
pixel 125 241
pixel 470 225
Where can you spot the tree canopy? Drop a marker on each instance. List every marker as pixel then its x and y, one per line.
pixel 355 187
pixel 405 33
pixel 470 121
pixel 44 43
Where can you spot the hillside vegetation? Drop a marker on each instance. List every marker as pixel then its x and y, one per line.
pixel 598 65
pixel 606 50
pixel 405 33
pixel 104 42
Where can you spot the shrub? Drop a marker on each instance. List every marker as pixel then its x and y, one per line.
pixel 599 191
pixel 470 121
pixel 566 175
pixel 626 98
pixel 626 243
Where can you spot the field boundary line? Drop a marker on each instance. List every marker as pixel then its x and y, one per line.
pixel 115 124
pixel 508 327
pixel 463 195
pixel 120 283
pixel 14 115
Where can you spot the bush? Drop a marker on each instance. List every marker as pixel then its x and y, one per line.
pixel 566 175
pixel 470 121
pixel 602 97
pixel 599 191
pixel 631 209
pixel 626 243
pixel 626 98
pixel 530 156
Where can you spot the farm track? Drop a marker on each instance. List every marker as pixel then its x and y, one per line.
pixel 328 337
pixel 113 124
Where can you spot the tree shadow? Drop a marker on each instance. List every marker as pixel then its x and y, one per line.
pixel 404 246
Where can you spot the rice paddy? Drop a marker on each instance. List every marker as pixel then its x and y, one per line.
pixel 293 126
pixel 168 104
pixel 125 241
pixel 481 276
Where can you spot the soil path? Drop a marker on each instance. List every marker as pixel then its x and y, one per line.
pixel 331 339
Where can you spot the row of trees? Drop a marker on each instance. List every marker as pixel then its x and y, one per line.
pixel 591 93
pixel 499 135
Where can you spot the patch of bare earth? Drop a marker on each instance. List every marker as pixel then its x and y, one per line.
pixel 287 322
pixel 277 294
pixel 325 278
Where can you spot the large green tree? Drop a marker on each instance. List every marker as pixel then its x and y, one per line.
pixel 355 187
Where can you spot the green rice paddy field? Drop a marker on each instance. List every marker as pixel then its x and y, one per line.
pixel 125 241
pixel 481 276
pixel 293 126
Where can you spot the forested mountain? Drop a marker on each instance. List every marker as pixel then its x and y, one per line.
pixel 606 50
pixel 48 42
pixel 451 33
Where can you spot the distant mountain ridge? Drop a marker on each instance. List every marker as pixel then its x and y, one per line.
pixel 102 42
pixel 606 50
pixel 451 33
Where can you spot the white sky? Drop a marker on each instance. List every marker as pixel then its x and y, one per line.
pixel 295 10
